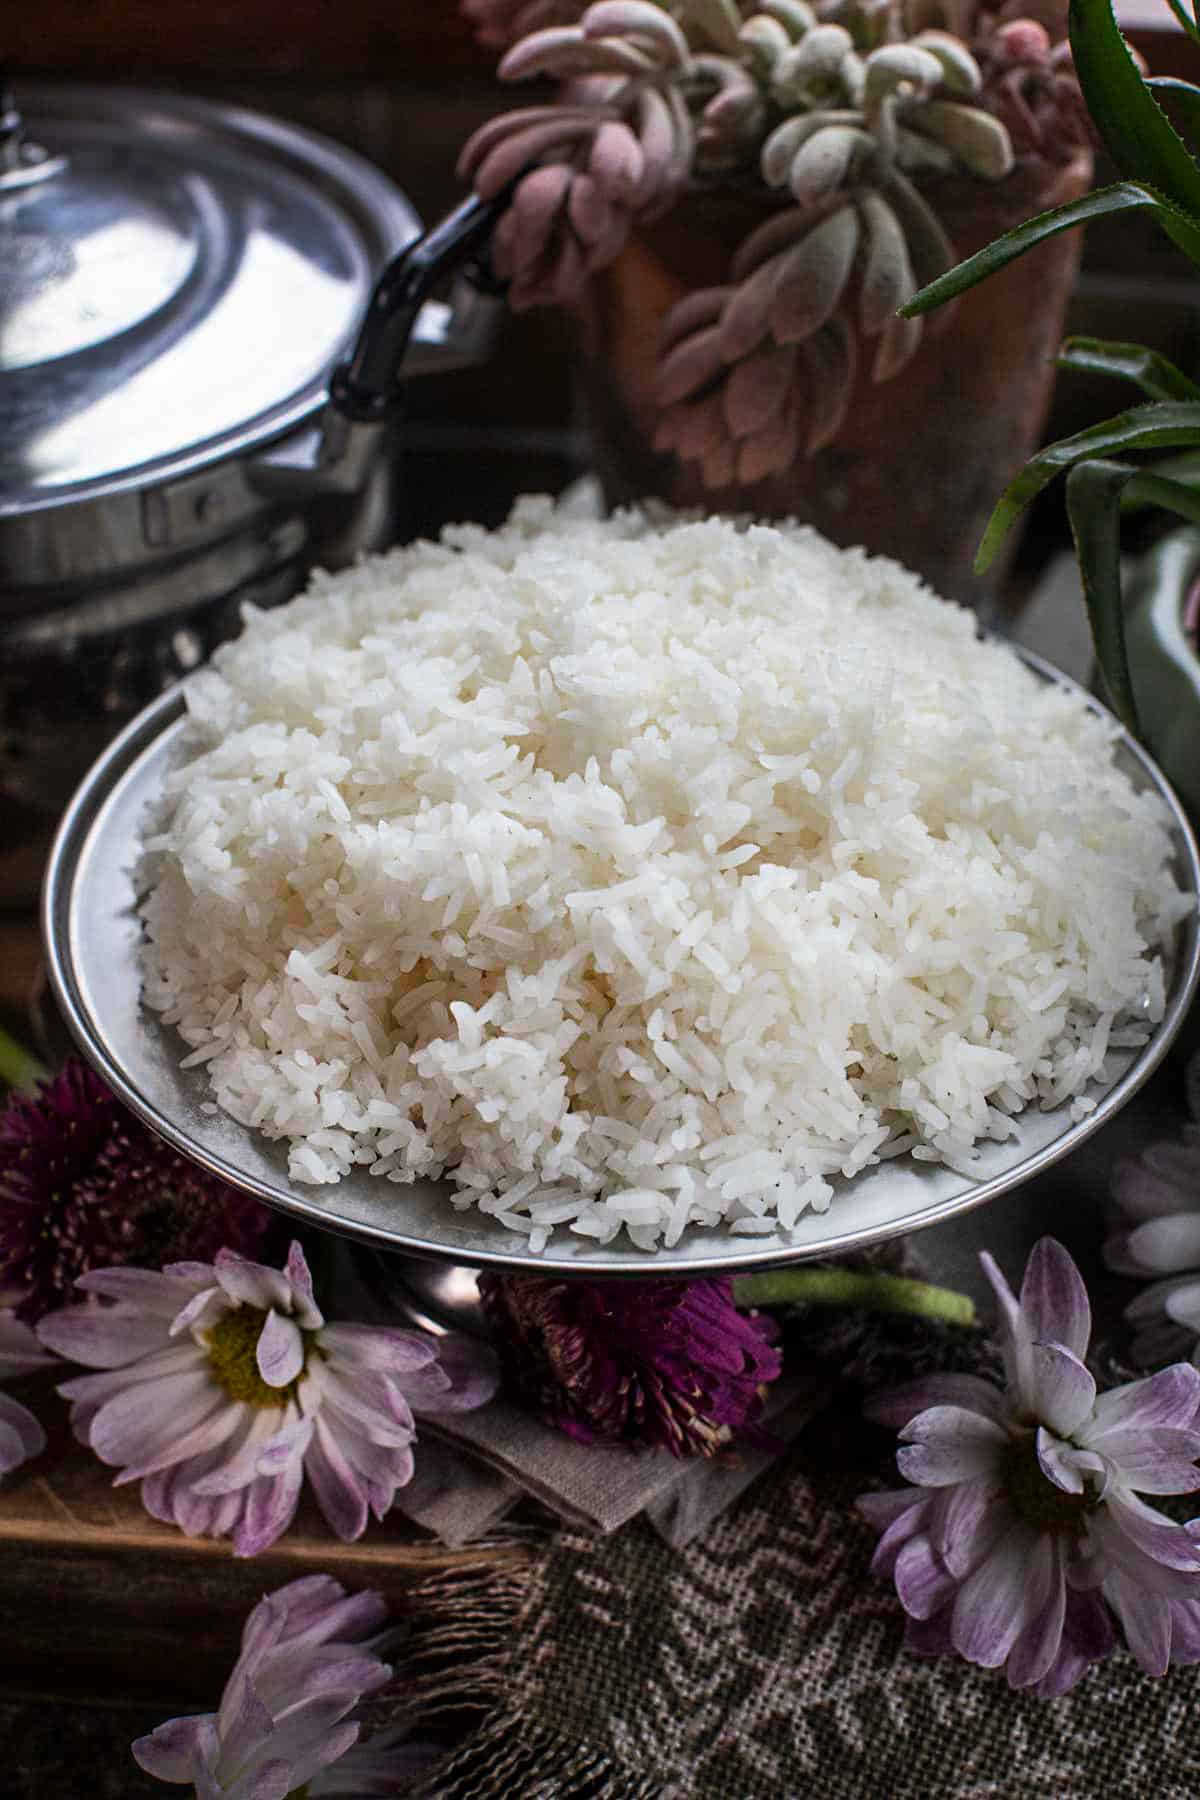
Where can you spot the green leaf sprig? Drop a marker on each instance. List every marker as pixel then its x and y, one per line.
pixel 1160 175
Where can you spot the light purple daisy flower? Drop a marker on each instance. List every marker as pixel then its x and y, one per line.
pixel 224 1388
pixel 20 1354
pixel 1024 1542
pixel 286 1722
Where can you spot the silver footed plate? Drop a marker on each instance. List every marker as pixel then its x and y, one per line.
pixel 93 938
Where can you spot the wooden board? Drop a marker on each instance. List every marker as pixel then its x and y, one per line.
pixel 98 1598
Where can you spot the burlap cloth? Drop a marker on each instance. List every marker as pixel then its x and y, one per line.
pixel 764 1660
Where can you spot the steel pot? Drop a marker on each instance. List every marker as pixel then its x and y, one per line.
pixel 178 279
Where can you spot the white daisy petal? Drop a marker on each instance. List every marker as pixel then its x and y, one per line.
pixel 280 1350
pixel 1065 1392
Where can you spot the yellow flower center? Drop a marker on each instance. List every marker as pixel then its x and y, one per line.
pixel 1037 1499
pixel 231 1345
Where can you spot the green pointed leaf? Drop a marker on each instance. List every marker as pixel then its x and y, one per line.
pixel 1184 94
pixel 1157 377
pixel 1184 468
pixel 1189 25
pixel 1093 507
pixel 1151 488
pixel 1096 496
pixel 1122 196
pixel 1136 131
pixel 1163 425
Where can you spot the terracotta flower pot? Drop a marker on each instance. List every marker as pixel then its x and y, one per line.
pixel 920 459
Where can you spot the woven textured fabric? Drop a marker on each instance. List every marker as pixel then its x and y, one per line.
pixel 764 1661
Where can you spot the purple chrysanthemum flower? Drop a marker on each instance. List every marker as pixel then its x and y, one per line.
pixel 223 1388
pixel 84 1185
pixel 286 1723
pixel 1024 1538
pixel 20 1354
pixel 1158 1194
pixel 651 1363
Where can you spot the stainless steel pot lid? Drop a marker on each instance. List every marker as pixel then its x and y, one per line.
pixel 177 278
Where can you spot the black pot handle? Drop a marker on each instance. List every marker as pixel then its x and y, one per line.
pixel 366 387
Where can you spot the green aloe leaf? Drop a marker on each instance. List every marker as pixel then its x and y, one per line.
pixel 1184 469
pixel 1136 131
pixel 1189 25
pixel 1121 196
pixel 1185 94
pixel 1157 377
pixel 1162 425
pixel 1093 506
pixel 1096 494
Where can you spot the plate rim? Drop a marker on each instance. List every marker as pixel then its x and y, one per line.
pixel 747 1253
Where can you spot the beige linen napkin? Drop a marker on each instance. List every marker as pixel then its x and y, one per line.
pixel 472 1468
pixel 487 1459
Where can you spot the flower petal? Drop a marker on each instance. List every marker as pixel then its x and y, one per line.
pixel 904 1526
pixel 384 1348
pixel 303 1299
pixel 1054 1299
pixel 948 1444
pixel 20 1351
pixel 279 1352
pixel 996 1601
pixel 327 1747
pixel 252 1284
pixel 148 1289
pixel 373 1400
pixel 1164 1246
pixel 1145 1619
pixel 1185 1631
pixel 270 1506
pixel 1172 1397
pixel 201 1311
pixel 239 1463
pixel 103 1337
pixel 474 1375
pixel 209 1433
pixel 1015 1339
pixel 1070 1468
pixel 179 1750
pixel 1144 1189
pixel 340 1492
pixel 1038 1646
pixel 882 1510
pixel 1065 1391
pixel 12 1448
pixel 286 1447
pixel 1158 1460
pixel 30 1438
pixel 1149 1532
pixel 1087 1637
pixel 969 1519
pixel 896 1406
pixel 923 1584
pixel 1182 1305
pixel 321 1616
pixel 147 1418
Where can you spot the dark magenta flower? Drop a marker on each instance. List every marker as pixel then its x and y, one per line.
pixel 84 1185
pixel 662 1364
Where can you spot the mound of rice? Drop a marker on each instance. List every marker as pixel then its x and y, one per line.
pixel 635 874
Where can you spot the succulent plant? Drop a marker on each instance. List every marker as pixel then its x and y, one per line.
pixel 843 110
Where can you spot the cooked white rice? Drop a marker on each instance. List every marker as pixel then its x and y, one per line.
pixel 636 874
